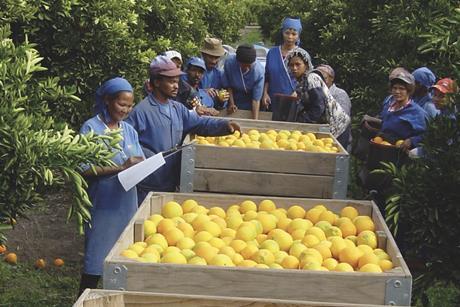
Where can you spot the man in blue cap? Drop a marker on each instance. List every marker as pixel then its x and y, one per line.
pixel 189 94
pixel 162 124
pixel 424 80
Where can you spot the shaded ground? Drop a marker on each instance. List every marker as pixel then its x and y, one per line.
pixel 46 234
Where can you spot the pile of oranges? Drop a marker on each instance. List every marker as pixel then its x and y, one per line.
pixel 381 141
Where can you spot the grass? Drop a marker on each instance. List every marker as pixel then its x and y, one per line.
pixel 252 36
pixel 23 285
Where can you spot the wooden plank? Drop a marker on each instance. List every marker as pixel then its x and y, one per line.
pixel 265 160
pixel 261 125
pixel 261 183
pixel 391 248
pixel 138 299
pixel 225 200
pixel 113 300
pixel 139 230
pixel 246 114
pixel 299 285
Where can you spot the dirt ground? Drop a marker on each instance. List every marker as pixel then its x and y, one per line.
pixel 45 234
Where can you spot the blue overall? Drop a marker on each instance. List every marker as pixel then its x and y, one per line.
pixel 113 207
pixel 247 86
pixel 162 126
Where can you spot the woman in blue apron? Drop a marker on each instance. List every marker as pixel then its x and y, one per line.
pixel 113 207
pixel 278 79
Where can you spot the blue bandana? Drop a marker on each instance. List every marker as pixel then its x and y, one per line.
pixel 291 23
pixel 110 87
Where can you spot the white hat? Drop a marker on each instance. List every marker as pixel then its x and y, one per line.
pixel 171 54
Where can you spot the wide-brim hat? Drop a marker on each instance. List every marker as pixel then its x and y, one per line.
pixel 213 46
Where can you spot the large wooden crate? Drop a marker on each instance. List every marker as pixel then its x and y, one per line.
pixel 392 287
pixel 112 298
pixel 266 172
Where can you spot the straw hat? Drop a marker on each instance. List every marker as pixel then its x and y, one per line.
pixel 213 46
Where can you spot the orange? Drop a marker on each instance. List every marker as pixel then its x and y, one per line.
pixel 385 265
pixel 327 216
pixel 40 264
pixel 378 140
pixel 290 262
pixel 350 255
pixel 368 258
pixel 363 223
pixel 349 212
pixel 347 229
pixel 58 262
pixel 296 212
pixel 2 249
pixel 371 268
pixel 267 205
pixel 11 258
pixel 313 215
pixel 173 236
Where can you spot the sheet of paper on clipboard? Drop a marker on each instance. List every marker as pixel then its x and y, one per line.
pixel 138 172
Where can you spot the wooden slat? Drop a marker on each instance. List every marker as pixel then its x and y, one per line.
pixel 265 160
pixel 246 114
pixel 260 183
pixel 113 300
pixel 225 200
pixel 140 299
pixel 264 125
pixel 367 288
pixel 139 230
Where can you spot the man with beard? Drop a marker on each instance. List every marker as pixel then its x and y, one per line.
pixel 162 124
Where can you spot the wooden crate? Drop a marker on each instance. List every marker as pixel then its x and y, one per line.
pixel 246 114
pixel 392 287
pixel 266 172
pixel 112 298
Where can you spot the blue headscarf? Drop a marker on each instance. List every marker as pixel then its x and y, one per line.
pixel 424 76
pixel 291 23
pixel 110 87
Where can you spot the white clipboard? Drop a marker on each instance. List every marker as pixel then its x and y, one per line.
pixel 136 173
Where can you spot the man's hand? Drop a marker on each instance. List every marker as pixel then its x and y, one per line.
pixel 132 161
pixel 406 145
pixel 222 95
pixel 232 108
pixel 265 101
pixel 232 127
pixel 212 92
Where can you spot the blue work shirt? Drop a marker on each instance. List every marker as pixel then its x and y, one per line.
pixel 212 78
pixel 277 75
pixel 426 103
pixel 408 122
pixel 162 126
pixel 113 207
pixel 246 86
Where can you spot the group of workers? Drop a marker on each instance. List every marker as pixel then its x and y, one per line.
pixel 176 101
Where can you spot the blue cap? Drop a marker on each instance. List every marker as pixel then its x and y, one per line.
pixel 196 61
pixel 424 76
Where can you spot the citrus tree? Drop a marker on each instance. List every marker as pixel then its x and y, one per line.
pixel 36 152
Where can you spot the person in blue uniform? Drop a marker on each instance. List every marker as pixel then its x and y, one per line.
pixel 189 94
pixel 424 80
pixel 402 118
pixel 278 80
pixel 244 80
pixel 211 52
pixel 162 124
pixel 113 207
